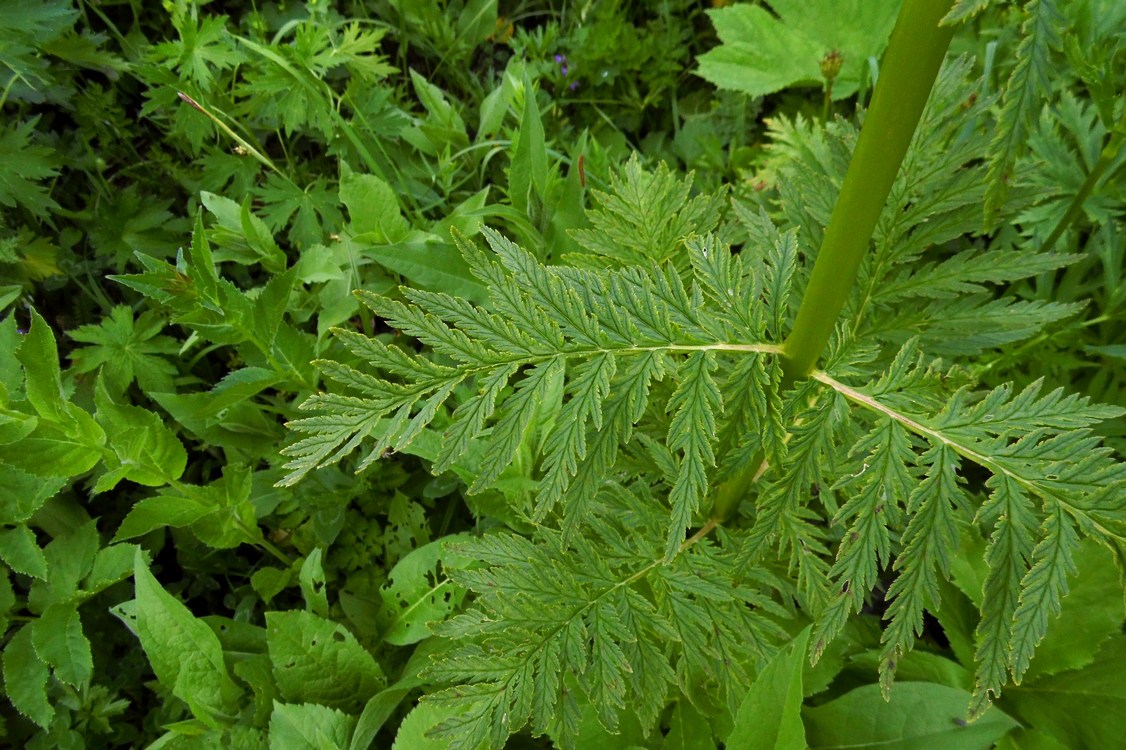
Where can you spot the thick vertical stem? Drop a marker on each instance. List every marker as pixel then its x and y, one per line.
pixel 914 54
pixel 907 74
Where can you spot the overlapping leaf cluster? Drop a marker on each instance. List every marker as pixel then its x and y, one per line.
pixel 1050 483
pixel 608 336
pixel 864 487
pixel 599 620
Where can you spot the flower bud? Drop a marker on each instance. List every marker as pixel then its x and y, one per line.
pixel 831 65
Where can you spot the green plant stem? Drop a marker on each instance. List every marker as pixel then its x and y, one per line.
pixel 914 55
pixel 1075 209
pixel 245 144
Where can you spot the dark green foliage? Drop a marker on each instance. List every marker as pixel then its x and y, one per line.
pixel 370 373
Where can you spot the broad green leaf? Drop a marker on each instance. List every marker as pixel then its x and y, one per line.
pixel 70 558
pixel 235 519
pixel 383 704
pixel 1082 707
pixel 43 380
pixel 7 599
pixel 15 426
pixel 11 372
pixel 918 716
pixel 312 580
pixel 762 53
pixel 1111 351
pixel 443 127
pixel 195 735
pixel 477 20
pixel 422 718
pixel 417 593
pixel 256 671
pixel 920 666
pixel 200 264
pixel 269 582
pixel 241 236
pixel 59 449
pixel 494 105
pixel 20 551
pixel 320 661
pixel 24 493
pixel 238 638
pixel 59 641
pixel 185 654
pixel 377 711
pixel 242 430
pixel 309 727
pixel 770 714
pixel 158 511
pixel 112 564
pixel 319 263
pixel 25 679
pixel 221 514
pixel 9 293
pixel 428 264
pixel 527 175
pixel 145 450
pixel 1091 613
pixel 373 208
pixel 1029 739
pixel 269 311
pixel 690 730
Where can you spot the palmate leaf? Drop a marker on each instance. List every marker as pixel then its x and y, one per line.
pixel 25 165
pixel 607 334
pixel 1051 483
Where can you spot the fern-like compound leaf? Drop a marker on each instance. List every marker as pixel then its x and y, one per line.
pixel 1050 483
pixel 644 216
pixel 600 619
pixel 928 541
pixel 595 339
pixel 879 491
pixel 1010 548
pixel 1029 82
pixel 692 430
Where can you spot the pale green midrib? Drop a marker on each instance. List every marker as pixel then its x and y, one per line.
pixel 427 384
pixel 1036 487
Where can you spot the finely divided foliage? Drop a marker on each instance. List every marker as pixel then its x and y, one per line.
pixel 871 472
pixel 1050 481
pixel 607 602
pixel 611 334
pixel 674 443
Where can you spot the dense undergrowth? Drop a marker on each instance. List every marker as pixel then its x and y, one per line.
pixel 552 468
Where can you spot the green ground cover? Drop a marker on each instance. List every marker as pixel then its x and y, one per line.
pixel 458 374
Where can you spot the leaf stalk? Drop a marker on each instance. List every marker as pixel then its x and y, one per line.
pixel 914 55
pixel 915 52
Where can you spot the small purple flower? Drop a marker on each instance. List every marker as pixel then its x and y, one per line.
pixel 560 59
pixel 563 70
pixel 574 85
